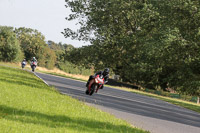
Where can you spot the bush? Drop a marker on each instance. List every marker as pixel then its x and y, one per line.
pixel 73 69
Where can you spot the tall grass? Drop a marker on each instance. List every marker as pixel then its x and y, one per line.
pixel 29 105
pixel 74 69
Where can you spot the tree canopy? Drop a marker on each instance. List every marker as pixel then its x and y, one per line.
pixel 152 43
pixel 9 45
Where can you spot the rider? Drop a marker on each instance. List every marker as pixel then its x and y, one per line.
pixel 24 62
pixel 104 73
pixel 34 59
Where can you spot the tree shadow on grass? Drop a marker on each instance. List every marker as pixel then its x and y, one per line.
pixel 53 121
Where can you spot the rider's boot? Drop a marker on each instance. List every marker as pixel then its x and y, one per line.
pixel 101 87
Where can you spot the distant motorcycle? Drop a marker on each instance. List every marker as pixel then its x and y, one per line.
pixel 33 65
pixel 94 85
pixel 23 64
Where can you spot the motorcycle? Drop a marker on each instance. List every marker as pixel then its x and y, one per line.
pixel 94 85
pixel 33 65
pixel 23 64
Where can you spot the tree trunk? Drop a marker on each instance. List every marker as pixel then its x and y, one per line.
pixel 198 99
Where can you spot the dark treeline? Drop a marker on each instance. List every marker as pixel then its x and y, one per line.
pixel 152 43
pixel 19 43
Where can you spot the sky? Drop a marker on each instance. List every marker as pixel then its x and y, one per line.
pixel 47 16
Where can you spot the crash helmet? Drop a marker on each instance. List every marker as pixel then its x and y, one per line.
pixel 106 71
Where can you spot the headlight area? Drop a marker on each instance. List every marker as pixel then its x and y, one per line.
pixel 96 80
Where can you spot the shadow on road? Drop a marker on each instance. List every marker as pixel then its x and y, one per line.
pixel 113 82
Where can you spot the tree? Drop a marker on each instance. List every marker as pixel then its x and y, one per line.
pixel 60 50
pixel 32 42
pixel 9 45
pixel 154 44
pixel 34 45
pixel 116 26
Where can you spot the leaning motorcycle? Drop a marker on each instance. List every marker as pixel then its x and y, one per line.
pixel 33 65
pixel 23 64
pixel 94 85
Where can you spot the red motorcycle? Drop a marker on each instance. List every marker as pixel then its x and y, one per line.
pixel 94 85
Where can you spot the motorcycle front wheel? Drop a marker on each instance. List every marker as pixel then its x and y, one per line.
pixel 93 88
pixel 87 92
pixel 33 68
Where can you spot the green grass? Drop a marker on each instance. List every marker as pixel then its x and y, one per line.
pixel 10 64
pixel 29 105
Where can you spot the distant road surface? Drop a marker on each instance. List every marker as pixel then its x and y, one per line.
pixel 143 112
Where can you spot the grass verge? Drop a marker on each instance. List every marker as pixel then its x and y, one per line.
pixel 29 105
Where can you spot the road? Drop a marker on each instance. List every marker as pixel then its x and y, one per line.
pixel 141 111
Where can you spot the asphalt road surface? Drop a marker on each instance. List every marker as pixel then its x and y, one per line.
pixel 144 112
